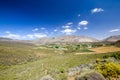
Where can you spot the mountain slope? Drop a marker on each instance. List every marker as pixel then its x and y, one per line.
pixel 112 38
pixel 66 39
pixel 5 39
pixel 12 41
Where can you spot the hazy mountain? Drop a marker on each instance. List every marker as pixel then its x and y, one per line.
pixel 66 39
pixel 112 38
pixel 63 39
pixel 5 39
pixel 9 40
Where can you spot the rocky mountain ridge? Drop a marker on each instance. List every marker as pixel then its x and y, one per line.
pixel 112 38
pixel 63 39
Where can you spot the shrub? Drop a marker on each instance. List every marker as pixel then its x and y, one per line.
pixel 117 43
pixel 62 70
pixel 90 76
pixel 109 70
pixel 115 55
pixel 63 76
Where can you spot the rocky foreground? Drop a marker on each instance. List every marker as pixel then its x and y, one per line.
pixel 86 71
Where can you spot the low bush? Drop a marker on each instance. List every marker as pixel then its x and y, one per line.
pixel 116 55
pixel 109 69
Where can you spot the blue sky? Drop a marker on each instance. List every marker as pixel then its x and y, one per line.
pixel 31 19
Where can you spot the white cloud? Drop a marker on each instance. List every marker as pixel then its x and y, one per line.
pixel 70 23
pixel 114 30
pixel 36 35
pixel 96 10
pixel 83 23
pixel 39 35
pixel 36 29
pixel 8 34
pixel 78 28
pixel 68 31
pixel 55 30
pixel 67 26
pixel 13 36
pixel 30 36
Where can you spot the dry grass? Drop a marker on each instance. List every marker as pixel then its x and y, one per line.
pixel 105 49
pixel 101 50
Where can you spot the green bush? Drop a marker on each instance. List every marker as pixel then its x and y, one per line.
pixel 117 43
pixel 62 70
pixel 115 55
pixel 109 70
pixel 63 76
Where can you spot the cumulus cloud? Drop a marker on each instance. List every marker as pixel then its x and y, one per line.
pixel 35 35
pixel 36 29
pixel 67 26
pixel 8 34
pixel 68 31
pixel 78 28
pixel 114 30
pixel 96 10
pixel 39 35
pixel 11 35
pixel 83 23
pixel 55 30
pixel 31 36
pixel 70 23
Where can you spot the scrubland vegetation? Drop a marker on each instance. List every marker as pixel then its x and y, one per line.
pixel 32 62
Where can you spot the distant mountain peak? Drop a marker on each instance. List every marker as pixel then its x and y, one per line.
pixel 5 39
pixel 66 39
pixel 113 38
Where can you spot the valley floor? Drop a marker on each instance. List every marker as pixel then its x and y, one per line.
pixel 47 62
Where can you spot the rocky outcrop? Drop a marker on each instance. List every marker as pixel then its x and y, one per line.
pixel 79 69
pixel 91 76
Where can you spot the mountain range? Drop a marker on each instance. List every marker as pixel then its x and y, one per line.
pixel 64 39
pixel 112 38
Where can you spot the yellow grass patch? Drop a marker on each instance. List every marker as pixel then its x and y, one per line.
pixel 101 50
pixel 105 49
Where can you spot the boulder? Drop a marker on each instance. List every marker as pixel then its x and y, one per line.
pixel 91 76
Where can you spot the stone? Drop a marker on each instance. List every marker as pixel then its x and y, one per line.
pixel 91 76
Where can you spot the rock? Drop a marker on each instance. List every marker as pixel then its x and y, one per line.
pixel 91 76
pixel 79 69
pixel 48 77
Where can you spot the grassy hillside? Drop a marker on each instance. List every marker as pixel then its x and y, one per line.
pixel 29 62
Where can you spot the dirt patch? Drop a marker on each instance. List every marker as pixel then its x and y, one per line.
pixel 85 53
pixel 105 49
pixel 101 50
